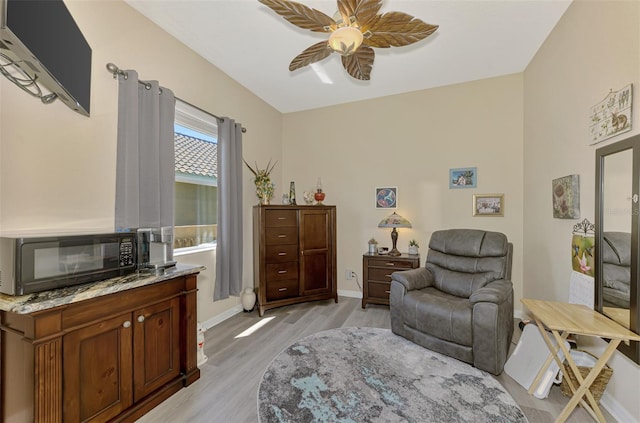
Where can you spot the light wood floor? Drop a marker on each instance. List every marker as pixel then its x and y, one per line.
pixel 228 387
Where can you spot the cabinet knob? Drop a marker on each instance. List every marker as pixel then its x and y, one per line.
pixel 282 272
pixel 126 324
pixel 282 289
pixel 141 318
pixel 390 264
pixel 282 236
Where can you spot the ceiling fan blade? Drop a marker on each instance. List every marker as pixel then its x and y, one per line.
pixel 397 29
pixel 363 10
pixel 360 63
pixel 300 15
pixel 312 54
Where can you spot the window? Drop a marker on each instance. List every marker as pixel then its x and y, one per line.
pixel 196 186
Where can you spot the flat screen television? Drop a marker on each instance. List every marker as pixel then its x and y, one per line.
pixel 43 36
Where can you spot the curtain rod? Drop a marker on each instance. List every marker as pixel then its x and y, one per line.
pixel 115 71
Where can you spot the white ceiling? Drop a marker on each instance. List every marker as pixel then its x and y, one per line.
pixel 253 45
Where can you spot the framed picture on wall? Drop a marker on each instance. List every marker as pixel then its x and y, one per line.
pixel 386 198
pixel 464 177
pixel 565 194
pixel 488 205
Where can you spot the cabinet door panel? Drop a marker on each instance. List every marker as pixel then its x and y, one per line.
pixel 156 340
pixel 316 246
pixel 97 371
pixel 317 278
pixel 314 228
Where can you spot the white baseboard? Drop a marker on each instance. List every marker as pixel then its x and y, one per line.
pixel 215 320
pixel 616 410
pixel 351 294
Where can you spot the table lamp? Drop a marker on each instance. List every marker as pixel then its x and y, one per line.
pixel 394 221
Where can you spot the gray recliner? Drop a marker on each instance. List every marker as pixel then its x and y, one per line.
pixel 616 269
pixel 461 303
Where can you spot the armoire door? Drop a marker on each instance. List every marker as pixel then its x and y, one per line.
pixel 316 249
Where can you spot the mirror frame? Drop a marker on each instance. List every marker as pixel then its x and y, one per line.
pixel 632 350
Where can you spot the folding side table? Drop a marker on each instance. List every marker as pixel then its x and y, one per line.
pixel 564 319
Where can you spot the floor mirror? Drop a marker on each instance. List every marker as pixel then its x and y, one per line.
pixel 616 251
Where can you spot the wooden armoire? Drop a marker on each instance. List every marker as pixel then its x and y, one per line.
pixel 294 254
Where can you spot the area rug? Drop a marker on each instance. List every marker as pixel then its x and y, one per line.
pixel 373 375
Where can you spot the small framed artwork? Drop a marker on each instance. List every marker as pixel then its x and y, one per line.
pixel 386 198
pixel 565 192
pixel 464 177
pixel 488 205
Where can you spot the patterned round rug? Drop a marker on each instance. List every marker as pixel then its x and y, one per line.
pixel 373 375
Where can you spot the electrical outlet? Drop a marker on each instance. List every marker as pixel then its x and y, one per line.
pixel 349 274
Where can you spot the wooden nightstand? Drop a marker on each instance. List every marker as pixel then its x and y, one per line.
pixel 376 275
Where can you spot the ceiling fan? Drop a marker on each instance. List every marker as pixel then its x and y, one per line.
pixel 354 30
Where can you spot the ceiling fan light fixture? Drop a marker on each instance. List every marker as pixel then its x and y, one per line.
pixel 345 40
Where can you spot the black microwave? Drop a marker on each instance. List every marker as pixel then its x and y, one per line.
pixel 35 264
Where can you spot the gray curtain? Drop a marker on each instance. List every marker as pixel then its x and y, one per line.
pixel 229 243
pixel 145 178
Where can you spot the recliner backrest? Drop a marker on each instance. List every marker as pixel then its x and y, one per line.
pixel 616 248
pixel 464 260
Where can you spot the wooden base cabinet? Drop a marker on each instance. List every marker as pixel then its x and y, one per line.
pixel 294 254
pixel 107 359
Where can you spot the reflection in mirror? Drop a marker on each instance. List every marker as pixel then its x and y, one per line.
pixel 616 228
pixel 617 243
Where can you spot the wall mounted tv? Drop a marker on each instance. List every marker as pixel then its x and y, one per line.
pixel 43 38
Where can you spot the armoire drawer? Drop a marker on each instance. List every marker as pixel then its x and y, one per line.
pixel 281 271
pixel 281 236
pixel 280 218
pixel 278 290
pixel 281 253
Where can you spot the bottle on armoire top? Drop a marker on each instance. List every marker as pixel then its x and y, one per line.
pixel 292 193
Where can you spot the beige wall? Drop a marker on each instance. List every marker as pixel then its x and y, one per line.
pixel 57 168
pixel 410 141
pixel 594 48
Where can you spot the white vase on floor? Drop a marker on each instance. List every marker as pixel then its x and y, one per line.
pixel 248 299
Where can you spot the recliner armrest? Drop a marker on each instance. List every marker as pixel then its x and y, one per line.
pixel 414 278
pixel 495 292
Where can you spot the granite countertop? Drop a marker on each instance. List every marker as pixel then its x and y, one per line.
pixel 39 301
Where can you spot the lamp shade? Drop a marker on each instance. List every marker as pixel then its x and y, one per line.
pixel 394 220
pixel 345 40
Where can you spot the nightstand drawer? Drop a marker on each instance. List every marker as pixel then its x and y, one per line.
pixel 280 218
pixel 282 271
pixel 278 290
pixel 281 236
pixel 380 274
pixel 379 290
pixel 392 264
pixel 281 253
